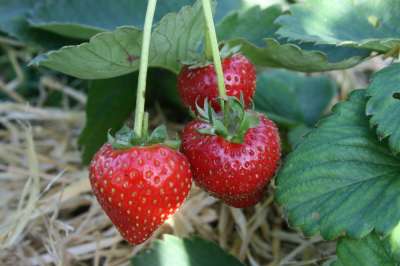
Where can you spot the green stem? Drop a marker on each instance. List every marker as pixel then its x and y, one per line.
pixel 207 45
pixel 212 37
pixel 144 61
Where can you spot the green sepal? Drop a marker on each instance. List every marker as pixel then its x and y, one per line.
pixel 220 128
pixel 122 139
pixel 232 124
pixel 192 113
pixel 227 50
pixel 250 120
pixel 203 113
pixel 125 138
pixel 207 131
pixel 174 144
pixel 196 62
pixel 237 111
pixel 203 60
pixel 158 135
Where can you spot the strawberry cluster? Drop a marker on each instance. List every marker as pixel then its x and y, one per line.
pixel 231 151
pixel 232 154
pixel 235 152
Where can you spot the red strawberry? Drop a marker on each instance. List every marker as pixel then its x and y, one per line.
pixel 140 187
pixel 246 200
pixel 234 172
pixel 199 83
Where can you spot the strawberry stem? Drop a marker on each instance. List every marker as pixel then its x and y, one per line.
pixel 212 37
pixel 144 61
pixel 207 46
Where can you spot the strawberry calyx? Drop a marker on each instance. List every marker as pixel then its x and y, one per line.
pixel 203 60
pixel 232 124
pixel 126 138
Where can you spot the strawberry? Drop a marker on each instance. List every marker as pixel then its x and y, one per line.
pixel 195 84
pixel 140 187
pixel 245 201
pixel 234 166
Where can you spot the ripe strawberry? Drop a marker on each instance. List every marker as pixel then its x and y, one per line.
pixel 199 83
pixel 235 172
pixel 245 201
pixel 140 187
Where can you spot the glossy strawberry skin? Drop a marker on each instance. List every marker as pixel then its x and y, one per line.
pixel 139 188
pixel 231 171
pixel 245 200
pixel 201 82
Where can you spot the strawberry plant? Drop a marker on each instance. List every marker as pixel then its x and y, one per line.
pixel 259 113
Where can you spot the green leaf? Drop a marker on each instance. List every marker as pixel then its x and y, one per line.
pixel 367 24
pixel 116 53
pixel 369 251
pixel 226 6
pixel 11 14
pixel 184 252
pixel 254 30
pixel 394 240
pixel 109 105
pixel 69 17
pixel 296 135
pixel 292 98
pixel 384 104
pixel 291 56
pixel 341 179
pixel 13 21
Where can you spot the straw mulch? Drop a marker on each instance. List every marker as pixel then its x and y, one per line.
pixel 48 215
